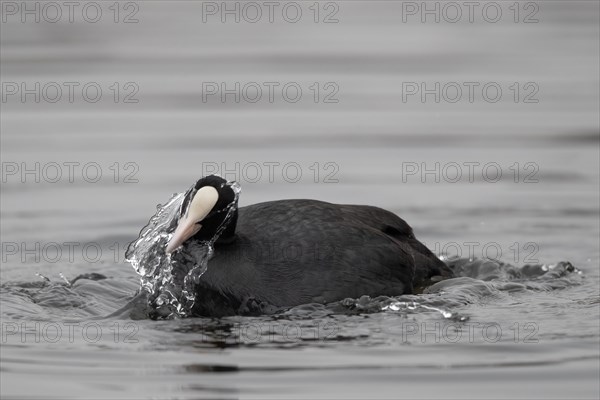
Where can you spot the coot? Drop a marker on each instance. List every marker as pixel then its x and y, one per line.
pixel 284 253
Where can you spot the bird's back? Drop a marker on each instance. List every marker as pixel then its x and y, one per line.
pixel 291 252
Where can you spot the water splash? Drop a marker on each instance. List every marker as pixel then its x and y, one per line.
pixel 414 306
pixel 45 278
pixel 170 279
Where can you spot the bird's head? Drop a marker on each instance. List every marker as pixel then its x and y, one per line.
pixel 208 211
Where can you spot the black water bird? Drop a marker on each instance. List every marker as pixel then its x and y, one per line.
pixel 279 254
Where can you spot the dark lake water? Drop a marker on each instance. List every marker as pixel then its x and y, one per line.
pixel 510 179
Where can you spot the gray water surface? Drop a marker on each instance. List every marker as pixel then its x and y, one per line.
pixel 535 337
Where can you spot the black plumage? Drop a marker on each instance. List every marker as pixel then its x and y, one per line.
pixel 285 253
